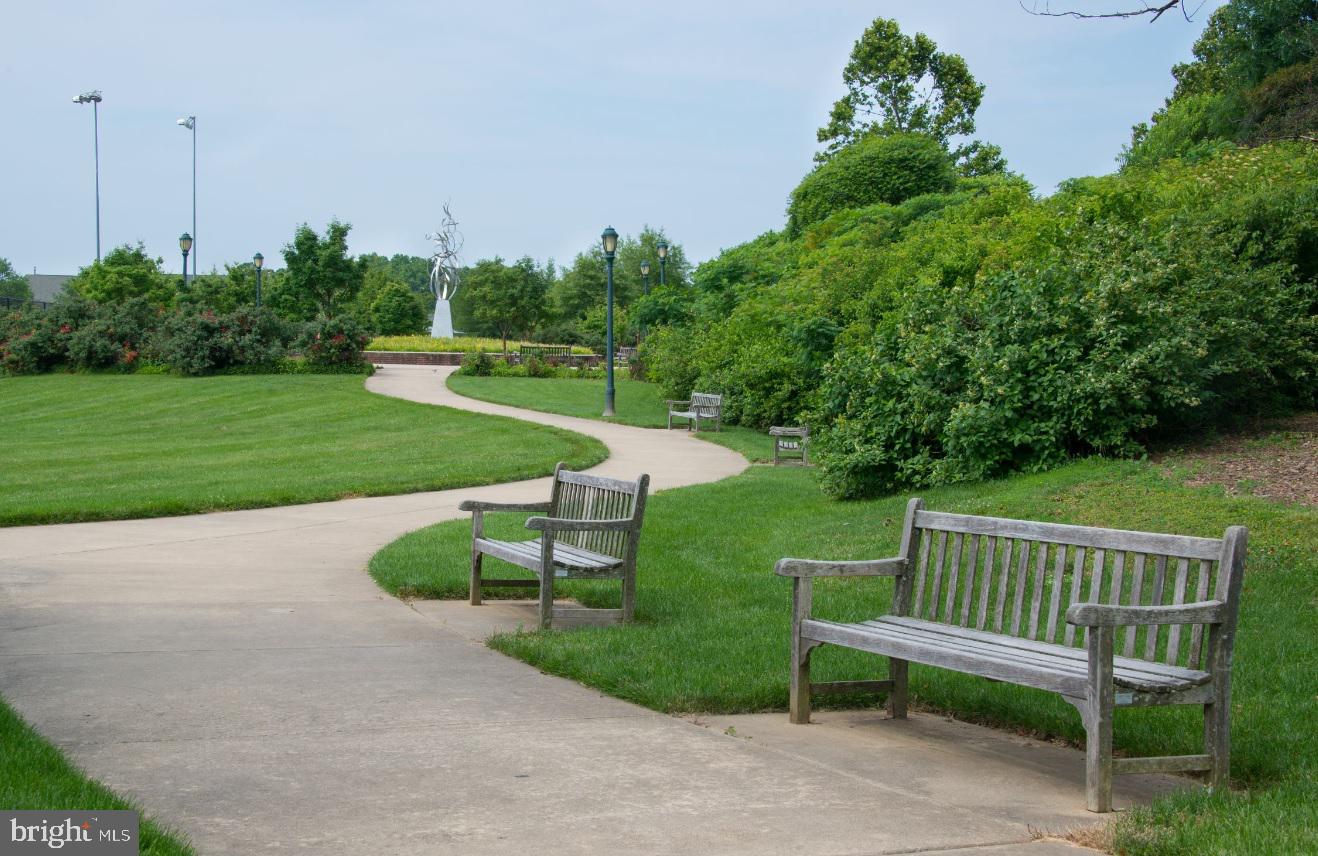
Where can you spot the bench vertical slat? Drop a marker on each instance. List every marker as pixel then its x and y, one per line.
pixel 1096 581
pixel 968 595
pixel 952 575
pixel 1135 599
pixel 1197 630
pixel 1118 577
pixel 1040 571
pixel 1022 573
pixel 1155 599
pixel 985 582
pixel 1059 583
pixel 1178 596
pixel 938 576
pixel 922 571
pixel 1004 578
pixel 1077 574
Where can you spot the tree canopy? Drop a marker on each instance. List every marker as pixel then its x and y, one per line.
pixel 124 273
pixel 898 83
pixel 12 284
pixel 320 275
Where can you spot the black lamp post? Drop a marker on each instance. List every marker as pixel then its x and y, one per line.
pixel 610 239
pixel 258 261
pixel 662 249
pixel 185 244
pixel 645 284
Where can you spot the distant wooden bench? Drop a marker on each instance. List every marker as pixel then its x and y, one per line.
pixel 545 352
pixel 1039 605
pixel 701 405
pixel 791 445
pixel 591 532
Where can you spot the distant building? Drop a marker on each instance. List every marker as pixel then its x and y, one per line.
pixel 47 286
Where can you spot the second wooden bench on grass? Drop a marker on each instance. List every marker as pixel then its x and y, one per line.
pixel 591 531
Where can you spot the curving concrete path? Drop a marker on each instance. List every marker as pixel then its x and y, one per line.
pixel 243 678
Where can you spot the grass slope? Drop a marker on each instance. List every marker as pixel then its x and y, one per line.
pixel 636 403
pixel 708 592
pixel 95 447
pixel 35 775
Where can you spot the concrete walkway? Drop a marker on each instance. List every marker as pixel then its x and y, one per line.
pixel 243 678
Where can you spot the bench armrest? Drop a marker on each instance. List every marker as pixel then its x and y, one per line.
pixel 476 505
pixel 816 568
pixel 673 402
pixel 560 524
pixel 1110 615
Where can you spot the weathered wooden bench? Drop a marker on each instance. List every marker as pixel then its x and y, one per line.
pixel 591 532
pixel 790 444
pixel 701 405
pixel 1071 609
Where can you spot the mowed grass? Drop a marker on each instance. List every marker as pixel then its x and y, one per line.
pixel 95 447
pixel 713 625
pixel 635 403
pixel 35 775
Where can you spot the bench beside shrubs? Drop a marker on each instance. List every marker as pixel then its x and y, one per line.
pixel 1075 610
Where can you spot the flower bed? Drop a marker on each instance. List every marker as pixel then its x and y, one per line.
pixel 456 345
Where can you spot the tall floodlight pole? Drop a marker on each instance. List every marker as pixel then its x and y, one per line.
pixel 661 249
pixel 94 98
pixel 610 239
pixel 190 122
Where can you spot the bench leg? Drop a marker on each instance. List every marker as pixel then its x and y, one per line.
pixel 1217 738
pixel 475 577
pixel 798 706
pixel 628 596
pixel 897 670
pixel 1097 715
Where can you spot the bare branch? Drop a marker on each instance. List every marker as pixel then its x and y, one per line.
pixel 1155 10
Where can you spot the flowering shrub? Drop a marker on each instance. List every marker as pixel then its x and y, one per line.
pixel 333 342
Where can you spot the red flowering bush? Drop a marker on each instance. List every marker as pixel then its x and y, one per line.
pixel 333 342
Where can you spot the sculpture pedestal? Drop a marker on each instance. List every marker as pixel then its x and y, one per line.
pixel 441 327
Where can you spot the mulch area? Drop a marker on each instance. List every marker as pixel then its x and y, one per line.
pixel 1276 460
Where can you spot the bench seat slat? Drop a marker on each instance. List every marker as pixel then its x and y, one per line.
pixel 1130 664
pixel 526 554
pixel 1049 667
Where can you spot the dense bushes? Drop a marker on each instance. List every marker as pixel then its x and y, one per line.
pixel 482 364
pixel 970 334
pixel 132 335
pixel 888 169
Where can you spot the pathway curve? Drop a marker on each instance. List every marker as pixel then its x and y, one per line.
pixel 242 677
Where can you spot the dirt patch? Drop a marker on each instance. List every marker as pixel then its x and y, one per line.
pixel 1275 460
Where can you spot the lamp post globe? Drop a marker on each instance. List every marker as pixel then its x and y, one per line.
pixel 645 275
pixel 258 261
pixel 609 238
pixel 185 244
pixel 661 249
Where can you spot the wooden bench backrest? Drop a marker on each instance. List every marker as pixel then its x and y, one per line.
pixel 1018 577
pixel 706 404
pixel 578 496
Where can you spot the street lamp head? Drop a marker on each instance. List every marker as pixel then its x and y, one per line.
pixel 185 243
pixel 258 260
pixel 661 249
pixel 94 96
pixel 188 122
pixel 610 239
pixel 645 267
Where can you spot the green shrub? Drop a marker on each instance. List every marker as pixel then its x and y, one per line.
pixel 478 364
pixel 395 311
pixel 202 342
pixel 113 337
pixel 888 169
pixel 333 342
pixel 535 367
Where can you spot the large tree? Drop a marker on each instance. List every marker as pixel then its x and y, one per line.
pixel 12 284
pixel 125 272
pixel 319 271
pixel 508 299
pixel 898 83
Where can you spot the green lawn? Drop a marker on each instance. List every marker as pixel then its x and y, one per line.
pixel 35 775
pixel 708 591
pixel 635 402
pixel 95 447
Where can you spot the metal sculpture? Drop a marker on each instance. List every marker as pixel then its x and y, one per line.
pixel 445 271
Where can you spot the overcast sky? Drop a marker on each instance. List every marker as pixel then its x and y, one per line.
pixel 541 122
